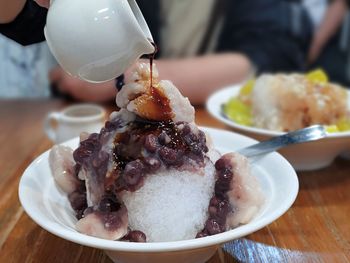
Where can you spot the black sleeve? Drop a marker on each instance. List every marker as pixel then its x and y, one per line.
pixel 260 29
pixel 28 26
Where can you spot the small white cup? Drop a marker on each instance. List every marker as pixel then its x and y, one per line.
pixel 97 40
pixel 74 120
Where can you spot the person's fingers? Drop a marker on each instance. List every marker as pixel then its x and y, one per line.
pixel 43 3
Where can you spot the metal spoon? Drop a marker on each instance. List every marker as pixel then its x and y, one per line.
pixel 308 134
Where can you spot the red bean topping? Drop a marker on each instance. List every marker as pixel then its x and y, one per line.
pixel 202 234
pixel 136 236
pixel 213 227
pixel 219 206
pixel 223 163
pixel 152 164
pixel 164 138
pixel 133 172
pixel 113 220
pixel 109 203
pixel 78 202
pixel 170 156
pixel 151 143
pixel 225 175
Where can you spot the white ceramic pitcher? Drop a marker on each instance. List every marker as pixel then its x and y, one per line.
pixel 97 40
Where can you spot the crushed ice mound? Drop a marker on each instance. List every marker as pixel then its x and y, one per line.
pixel 183 196
pixel 151 175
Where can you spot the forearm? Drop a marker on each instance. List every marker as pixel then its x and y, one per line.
pixel 331 22
pixel 9 9
pixel 198 77
pixel 82 90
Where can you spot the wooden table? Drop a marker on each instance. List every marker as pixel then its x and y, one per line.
pixel 315 229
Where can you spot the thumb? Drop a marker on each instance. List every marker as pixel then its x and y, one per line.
pixel 43 3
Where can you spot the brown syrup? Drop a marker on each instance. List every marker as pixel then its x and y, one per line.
pixel 151 58
pixel 161 101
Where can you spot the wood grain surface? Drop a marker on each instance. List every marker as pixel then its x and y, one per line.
pixel 315 229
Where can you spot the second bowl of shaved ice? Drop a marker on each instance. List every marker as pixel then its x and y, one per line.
pixel 273 104
pixel 288 102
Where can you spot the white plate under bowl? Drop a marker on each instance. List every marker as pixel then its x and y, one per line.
pixel 50 209
pixel 307 156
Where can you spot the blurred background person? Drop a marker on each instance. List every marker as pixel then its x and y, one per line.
pixel 204 44
pixel 24 70
pixel 329 47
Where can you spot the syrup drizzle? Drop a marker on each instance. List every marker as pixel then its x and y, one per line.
pixel 151 58
pixel 160 99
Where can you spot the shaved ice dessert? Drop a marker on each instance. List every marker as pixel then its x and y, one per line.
pixel 151 174
pixel 287 102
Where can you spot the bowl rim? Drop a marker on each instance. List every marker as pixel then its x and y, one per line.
pixel 183 245
pixel 221 97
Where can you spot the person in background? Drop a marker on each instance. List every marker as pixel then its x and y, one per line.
pixel 326 48
pixel 204 44
pixel 24 70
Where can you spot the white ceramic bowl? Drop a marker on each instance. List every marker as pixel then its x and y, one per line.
pixel 307 156
pixel 49 208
